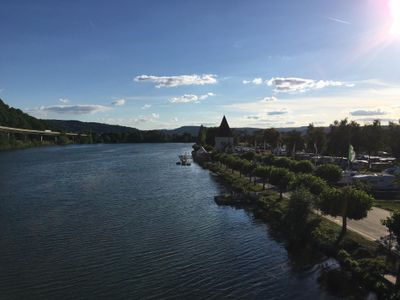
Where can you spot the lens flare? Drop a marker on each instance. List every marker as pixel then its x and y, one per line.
pixel 395 12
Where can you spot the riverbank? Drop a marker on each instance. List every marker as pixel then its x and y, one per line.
pixel 363 262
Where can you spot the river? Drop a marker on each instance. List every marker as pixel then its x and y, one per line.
pixel 125 222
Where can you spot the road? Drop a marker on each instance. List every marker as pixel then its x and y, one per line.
pixel 369 227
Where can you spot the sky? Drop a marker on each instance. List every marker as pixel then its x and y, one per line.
pixel 154 64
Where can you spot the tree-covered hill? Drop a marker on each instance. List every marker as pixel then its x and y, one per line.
pixel 13 117
pixel 78 126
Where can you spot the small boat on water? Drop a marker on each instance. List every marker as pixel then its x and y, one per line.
pixel 184 160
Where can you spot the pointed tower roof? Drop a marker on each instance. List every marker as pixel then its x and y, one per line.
pixel 224 129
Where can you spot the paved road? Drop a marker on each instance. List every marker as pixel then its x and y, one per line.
pixel 370 227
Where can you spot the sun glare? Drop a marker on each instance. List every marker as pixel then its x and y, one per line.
pixel 395 13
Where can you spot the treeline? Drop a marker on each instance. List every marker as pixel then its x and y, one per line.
pixel 333 140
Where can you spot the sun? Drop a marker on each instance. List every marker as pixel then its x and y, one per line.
pixel 394 6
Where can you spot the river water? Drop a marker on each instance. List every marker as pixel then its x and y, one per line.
pixel 125 222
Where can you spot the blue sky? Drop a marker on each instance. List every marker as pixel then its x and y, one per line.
pixel 164 64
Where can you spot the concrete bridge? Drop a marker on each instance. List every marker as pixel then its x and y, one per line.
pixel 40 133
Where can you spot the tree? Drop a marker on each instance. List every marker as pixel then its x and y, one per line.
pixel 272 137
pixel 293 141
pixel 247 168
pixel 201 138
pixel 303 166
pixel 313 184
pixel 283 162
pixel 394 139
pixel 297 222
pixel 393 225
pixel 348 203
pixel 372 141
pixel 281 178
pixel 315 139
pixel 330 173
pixel 342 134
pixel 263 173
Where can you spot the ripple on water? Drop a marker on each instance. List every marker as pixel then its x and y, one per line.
pixel 124 222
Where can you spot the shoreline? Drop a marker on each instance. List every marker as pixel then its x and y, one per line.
pixel 360 259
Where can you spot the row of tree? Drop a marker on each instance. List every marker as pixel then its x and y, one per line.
pixel 347 202
pixel 332 140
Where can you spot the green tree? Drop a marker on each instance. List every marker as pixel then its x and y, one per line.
pixel 348 203
pixel 294 141
pixel 394 139
pixel 313 184
pixel 201 138
pixel 281 178
pixel 315 139
pixel 303 166
pixel 393 225
pixel 330 173
pixel 283 162
pixel 342 134
pixel 297 221
pixel 263 173
pixel 271 136
pixel 372 139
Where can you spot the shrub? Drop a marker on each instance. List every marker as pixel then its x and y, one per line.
pixel 330 173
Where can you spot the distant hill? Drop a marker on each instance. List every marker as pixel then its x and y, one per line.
pixel 79 126
pixel 12 117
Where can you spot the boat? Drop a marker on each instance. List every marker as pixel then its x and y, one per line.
pixel 184 160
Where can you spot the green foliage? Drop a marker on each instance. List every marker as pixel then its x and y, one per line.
pixel 303 166
pixel 248 155
pixel 268 159
pixel 281 178
pixel 283 162
pixel 263 173
pixel 329 172
pixel 310 182
pixel 297 221
pixel 393 225
pixel 315 139
pixel 347 202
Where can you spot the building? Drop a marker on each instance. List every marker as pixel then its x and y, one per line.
pixel 224 137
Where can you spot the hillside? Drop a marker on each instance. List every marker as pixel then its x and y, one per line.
pixel 12 117
pixel 78 126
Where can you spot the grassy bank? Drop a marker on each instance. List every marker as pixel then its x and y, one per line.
pixel 390 205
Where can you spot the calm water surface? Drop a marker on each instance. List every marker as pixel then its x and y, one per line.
pixel 125 222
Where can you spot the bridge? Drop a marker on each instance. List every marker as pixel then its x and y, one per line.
pixel 41 133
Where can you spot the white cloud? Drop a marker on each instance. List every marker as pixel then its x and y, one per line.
pixel 293 85
pixel 173 81
pixel 148 118
pixel 63 100
pixel 338 20
pixel 146 106
pixel 256 81
pixel 190 98
pixel 366 112
pixel 118 102
pixel 268 99
pixel 72 109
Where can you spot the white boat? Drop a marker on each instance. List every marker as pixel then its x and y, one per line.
pixel 184 160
